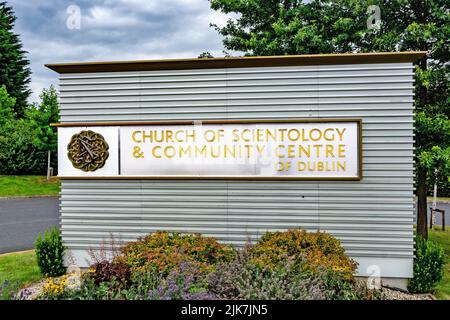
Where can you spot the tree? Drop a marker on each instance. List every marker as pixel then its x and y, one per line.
pixel 272 27
pixel 6 106
pixel 25 142
pixel 14 70
pixel 41 116
pixel 205 54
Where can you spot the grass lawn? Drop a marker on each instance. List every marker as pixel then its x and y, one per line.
pixel 20 186
pixel 443 238
pixel 430 199
pixel 21 267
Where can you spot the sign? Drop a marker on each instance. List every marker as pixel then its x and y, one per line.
pixel 294 150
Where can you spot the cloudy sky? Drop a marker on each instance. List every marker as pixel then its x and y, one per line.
pixel 112 30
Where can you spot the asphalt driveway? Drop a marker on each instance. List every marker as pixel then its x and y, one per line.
pixel 442 206
pixel 21 220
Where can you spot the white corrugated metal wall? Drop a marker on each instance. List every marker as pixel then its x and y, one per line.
pixel 373 218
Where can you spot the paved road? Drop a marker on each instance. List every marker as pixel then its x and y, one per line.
pixel 443 206
pixel 22 219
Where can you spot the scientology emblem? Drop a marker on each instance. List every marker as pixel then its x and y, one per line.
pixel 88 151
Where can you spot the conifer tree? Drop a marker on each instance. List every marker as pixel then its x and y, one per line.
pixel 14 66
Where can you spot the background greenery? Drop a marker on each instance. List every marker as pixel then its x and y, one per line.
pixel 22 186
pixel 25 132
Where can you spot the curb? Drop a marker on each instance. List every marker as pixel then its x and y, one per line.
pixel 28 197
pixel 16 252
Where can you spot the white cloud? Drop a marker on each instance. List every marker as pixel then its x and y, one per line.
pixel 106 17
pixel 113 30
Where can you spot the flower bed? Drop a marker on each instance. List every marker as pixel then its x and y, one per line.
pixel 282 265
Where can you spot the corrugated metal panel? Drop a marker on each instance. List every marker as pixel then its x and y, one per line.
pixel 373 218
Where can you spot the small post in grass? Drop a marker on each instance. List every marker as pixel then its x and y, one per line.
pixel 49 169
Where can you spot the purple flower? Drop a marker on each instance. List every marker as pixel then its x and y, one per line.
pixel 184 283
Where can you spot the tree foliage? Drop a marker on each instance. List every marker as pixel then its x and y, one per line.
pixel 24 142
pixel 41 116
pixel 6 106
pixel 14 70
pixel 279 27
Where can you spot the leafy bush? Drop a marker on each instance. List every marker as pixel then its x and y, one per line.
pixel 105 271
pixel 24 141
pixel 185 282
pixel 165 251
pixel 17 153
pixel 137 287
pixel 428 266
pixel 243 279
pixel 308 250
pixel 50 253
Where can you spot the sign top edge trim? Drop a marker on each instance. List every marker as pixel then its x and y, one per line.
pixel 237 62
pixel 193 122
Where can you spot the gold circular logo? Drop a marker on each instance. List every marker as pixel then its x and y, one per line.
pixel 88 151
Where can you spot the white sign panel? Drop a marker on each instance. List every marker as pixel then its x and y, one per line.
pixel 230 150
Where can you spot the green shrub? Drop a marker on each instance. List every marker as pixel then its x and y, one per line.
pixel 185 282
pixel 50 253
pixel 242 279
pixel 137 287
pixel 428 266
pixel 24 141
pixel 308 250
pixel 289 279
pixel 17 153
pixel 166 251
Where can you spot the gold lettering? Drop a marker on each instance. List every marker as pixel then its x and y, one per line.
pixel 301 166
pixel 145 136
pixel 277 151
pixel 271 134
pixel 302 149
pixel 318 148
pixel 177 137
pixel 235 135
pixel 340 133
pixel 319 134
pixel 133 136
pixel 329 150
pixel 290 151
pixel 341 151
pixel 341 165
pixel 328 137
pixel 297 134
pixel 186 151
pixel 154 153
pixel 169 135
pixel 232 151
pixel 260 149
pixel 202 151
pixel 217 155
pixel 166 152
pixel 246 139
pixel 190 135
